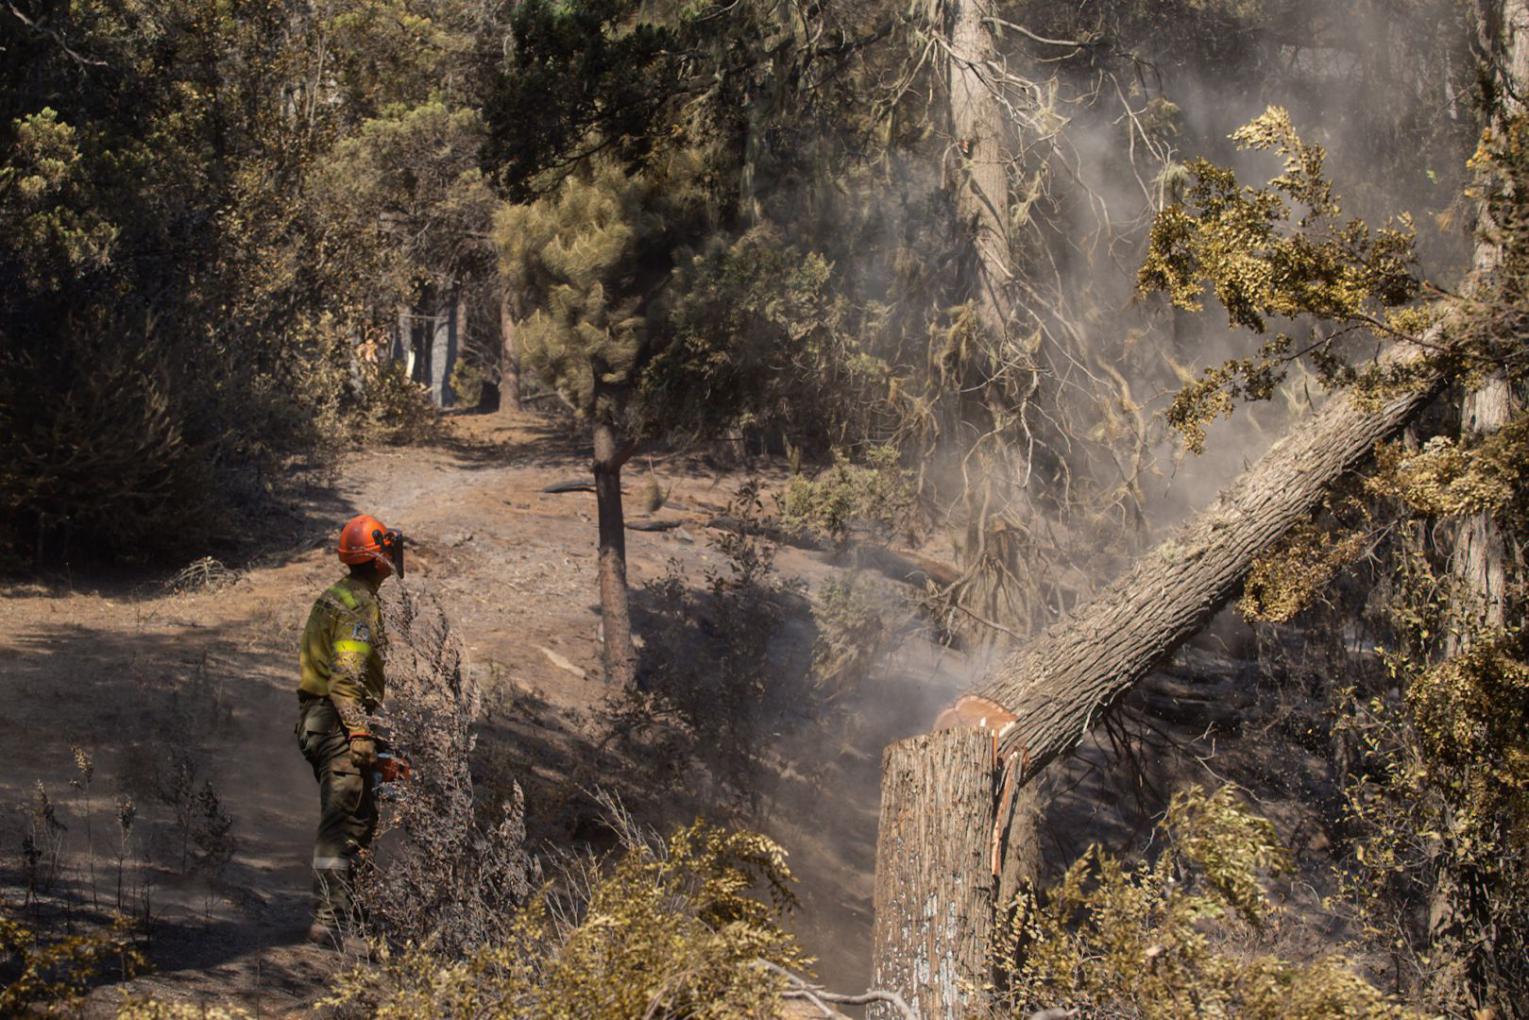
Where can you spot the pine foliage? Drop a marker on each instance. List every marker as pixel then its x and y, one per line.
pixel 1436 789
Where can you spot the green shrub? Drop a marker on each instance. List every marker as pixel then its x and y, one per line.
pixel 97 457
pixel 878 494
pixel 393 407
pixel 670 929
pixel 1174 938
pixel 466 382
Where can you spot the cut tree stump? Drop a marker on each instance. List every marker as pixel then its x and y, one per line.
pixel 934 877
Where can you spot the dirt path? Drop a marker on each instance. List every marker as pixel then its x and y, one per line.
pixel 157 687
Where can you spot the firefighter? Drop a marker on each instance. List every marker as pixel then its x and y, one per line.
pixel 342 684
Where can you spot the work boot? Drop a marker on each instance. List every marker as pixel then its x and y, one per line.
pixel 333 906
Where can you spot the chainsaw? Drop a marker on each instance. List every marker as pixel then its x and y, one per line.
pixel 391 768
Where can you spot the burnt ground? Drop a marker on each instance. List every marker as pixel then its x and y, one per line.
pixel 156 684
pixel 169 691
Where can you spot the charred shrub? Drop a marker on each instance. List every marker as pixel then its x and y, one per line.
pixel 857 623
pixel 681 927
pixel 454 870
pixel 47 976
pixel 723 664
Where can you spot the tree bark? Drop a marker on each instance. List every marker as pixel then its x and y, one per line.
pixel 509 356
pixel 934 872
pixel 445 307
pixel 979 126
pixel 458 335
pixel 1459 907
pixel 615 612
pixel 402 348
pixel 1479 557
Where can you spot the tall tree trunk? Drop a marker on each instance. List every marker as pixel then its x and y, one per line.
pixel 1479 557
pixel 980 129
pixel 995 379
pixel 458 333
pixel 1459 910
pixel 934 872
pixel 1059 685
pixel 615 612
pixel 509 355
pixel 443 343
pixel 402 348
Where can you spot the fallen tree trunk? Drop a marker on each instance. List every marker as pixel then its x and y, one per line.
pixel 1042 701
pixel 906 566
pixel 1058 685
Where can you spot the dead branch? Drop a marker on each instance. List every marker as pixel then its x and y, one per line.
pixel 575 485
pixel 798 989
pixel 652 525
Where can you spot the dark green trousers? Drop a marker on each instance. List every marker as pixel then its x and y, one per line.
pixel 347 809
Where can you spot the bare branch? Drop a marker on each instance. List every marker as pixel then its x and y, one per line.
pixel 798 988
pixel 1076 44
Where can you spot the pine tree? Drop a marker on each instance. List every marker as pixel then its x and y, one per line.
pixel 590 259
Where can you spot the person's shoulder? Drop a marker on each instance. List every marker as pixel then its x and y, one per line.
pixel 361 619
pixel 362 600
pixel 345 597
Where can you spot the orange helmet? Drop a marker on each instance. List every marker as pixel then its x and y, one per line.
pixel 365 538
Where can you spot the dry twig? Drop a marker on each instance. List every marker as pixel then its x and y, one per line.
pixel 799 989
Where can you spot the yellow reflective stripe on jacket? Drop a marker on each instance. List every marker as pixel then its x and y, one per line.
pixel 363 647
pixel 342 593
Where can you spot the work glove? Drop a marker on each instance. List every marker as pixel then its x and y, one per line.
pixel 363 751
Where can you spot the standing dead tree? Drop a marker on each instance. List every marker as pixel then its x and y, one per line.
pixel 1017 376
pixel 979 128
pixel 1042 701
pixel 1479 556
